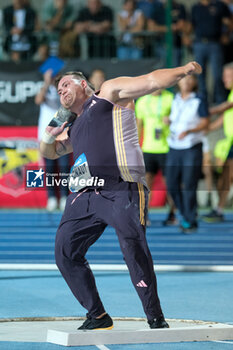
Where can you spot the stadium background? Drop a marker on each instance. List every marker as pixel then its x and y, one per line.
pixel 27 233
pixel 19 84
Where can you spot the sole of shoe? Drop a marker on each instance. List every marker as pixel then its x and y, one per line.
pixel 103 329
pixel 167 326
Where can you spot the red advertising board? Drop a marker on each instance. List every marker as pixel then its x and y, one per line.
pixel 18 151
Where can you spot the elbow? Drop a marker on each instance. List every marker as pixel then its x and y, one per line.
pixel 153 83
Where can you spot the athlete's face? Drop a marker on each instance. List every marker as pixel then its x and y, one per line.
pixel 228 78
pixel 70 91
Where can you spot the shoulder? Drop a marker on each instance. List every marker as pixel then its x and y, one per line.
pixel 199 96
pixel 177 96
pixel 203 109
pixel 168 93
pixel 30 11
pixel 8 9
pixel 108 90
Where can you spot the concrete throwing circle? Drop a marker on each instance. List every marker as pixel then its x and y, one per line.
pixel 63 331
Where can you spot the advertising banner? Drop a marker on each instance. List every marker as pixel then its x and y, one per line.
pixel 18 151
pixel 19 83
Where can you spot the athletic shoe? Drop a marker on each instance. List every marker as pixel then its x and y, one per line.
pixel 51 204
pixel 158 323
pixel 103 323
pixel 187 227
pixel 170 220
pixel 213 217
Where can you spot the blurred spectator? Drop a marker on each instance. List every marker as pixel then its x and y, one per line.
pixel 19 21
pixel 96 78
pixel 227 37
pixel 224 148
pixel 96 21
pixel 208 17
pixel 148 7
pixel 207 170
pixel 189 117
pixel 49 102
pixel 57 17
pixel 156 25
pixel 130 21
pixel 42 52
pixel 179 18
pixel 152 112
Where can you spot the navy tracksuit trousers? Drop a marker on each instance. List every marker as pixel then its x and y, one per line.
pixel 86 215
pixel 183 171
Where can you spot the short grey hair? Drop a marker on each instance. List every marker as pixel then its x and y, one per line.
pixel 76 75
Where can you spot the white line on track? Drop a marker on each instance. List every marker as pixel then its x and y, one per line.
pixel 222 341
pixel 102 347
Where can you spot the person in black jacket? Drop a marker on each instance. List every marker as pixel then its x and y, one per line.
pixel 96 21
pixel 19 21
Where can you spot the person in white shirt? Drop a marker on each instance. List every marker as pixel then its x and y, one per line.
pixel 188 120
pixel 130 22
pixel 49 102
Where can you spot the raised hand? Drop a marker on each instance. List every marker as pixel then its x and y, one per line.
pixel 57 130
pixel 64 117
pixel 192 68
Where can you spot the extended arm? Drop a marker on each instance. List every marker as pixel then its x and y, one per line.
pixel 127 88
pixel 217 124
pixel 203 125
pixel 221 108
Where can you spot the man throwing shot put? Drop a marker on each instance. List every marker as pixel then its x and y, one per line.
pixel 104 141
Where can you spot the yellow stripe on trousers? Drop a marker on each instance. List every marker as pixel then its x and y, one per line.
pixel 141 203
pixel 120 144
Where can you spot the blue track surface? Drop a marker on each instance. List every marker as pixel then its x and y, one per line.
pixel 28 237
pixel 201 296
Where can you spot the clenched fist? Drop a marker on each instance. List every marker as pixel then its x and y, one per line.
pixel 192 68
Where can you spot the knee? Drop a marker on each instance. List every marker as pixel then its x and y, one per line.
pixel 65 249
pixel 62 252
pixel 59 252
